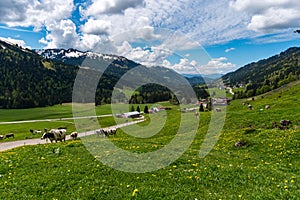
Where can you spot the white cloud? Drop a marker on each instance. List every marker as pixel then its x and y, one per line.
pixel 214 66
pixel 99 7
pixel 153 56
pixel 270 15
pixel 206 22
pixel 61 35
pixel 217 66
pixel 229 50
pixel 184 66
pixel 21 43
pixel 96 27
pixel 34 13
pixel 12 11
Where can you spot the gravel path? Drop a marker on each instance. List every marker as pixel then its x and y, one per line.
pixel 10 145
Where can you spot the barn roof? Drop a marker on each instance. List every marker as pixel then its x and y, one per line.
pixel 128 114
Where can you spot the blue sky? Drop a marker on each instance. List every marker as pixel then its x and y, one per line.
pixel 190 36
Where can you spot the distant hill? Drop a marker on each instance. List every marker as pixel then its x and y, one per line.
pixel 195 79
pixel 266 75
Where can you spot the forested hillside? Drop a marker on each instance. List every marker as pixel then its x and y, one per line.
pixel 28 80
pixel 267 74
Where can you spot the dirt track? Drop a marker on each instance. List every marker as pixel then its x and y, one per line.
pixel 10 145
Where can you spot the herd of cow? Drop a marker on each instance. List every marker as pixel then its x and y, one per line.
pixel 60 134
pixel 106 131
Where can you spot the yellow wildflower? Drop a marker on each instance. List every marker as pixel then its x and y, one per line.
pixel 134 192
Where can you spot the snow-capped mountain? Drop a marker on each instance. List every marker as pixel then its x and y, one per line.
pixel 88 59
pixel 63 55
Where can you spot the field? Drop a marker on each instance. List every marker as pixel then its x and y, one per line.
pixel 267 167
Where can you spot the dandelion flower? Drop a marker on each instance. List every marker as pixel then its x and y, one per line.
pixel 134 192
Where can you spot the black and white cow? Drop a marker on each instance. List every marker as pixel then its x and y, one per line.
pixel 74 135
pixel 285 122
pixel 9 135
pixel 55 134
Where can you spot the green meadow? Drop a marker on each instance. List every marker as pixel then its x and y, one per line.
pixel 266 167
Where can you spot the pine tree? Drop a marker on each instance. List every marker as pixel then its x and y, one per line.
pixel 146 110
pixel 138 109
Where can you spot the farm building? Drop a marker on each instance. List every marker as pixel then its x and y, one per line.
pixel 133 114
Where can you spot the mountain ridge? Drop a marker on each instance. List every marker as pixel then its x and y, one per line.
pixel 266 74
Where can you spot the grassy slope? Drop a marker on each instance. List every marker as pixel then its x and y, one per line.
pixel 21 130
pixel 269 168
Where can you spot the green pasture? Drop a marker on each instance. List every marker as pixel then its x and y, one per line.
pixel 266 167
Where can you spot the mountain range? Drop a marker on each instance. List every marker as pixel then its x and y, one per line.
pixel 33 78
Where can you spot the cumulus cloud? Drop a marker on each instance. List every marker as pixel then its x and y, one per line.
pixel 62 35
pixel 184 66
pixel 96 27
pixel 270 15
pixel 34 13
pixel 217 66
pixel 152 56
pixel 13 11
pixel 99 7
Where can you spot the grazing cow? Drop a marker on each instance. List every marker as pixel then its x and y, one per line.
pixel 112 131
pixel 106 131
pixel 9 135
pixel 240 143
pixel 218 110
pixel 285 122
pixel 101 132
pixel 267 107
pixel 55 134
pixel 74 135
pixel 250 107
pixel 1 137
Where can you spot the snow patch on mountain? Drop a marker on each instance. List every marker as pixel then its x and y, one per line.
pixel 61 54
